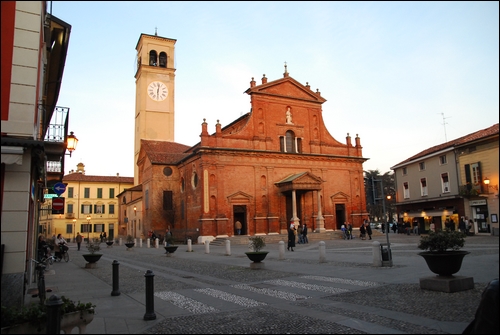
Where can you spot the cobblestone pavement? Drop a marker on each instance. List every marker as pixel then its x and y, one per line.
pixel 216 293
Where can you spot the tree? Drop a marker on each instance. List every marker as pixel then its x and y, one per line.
pixel 374 194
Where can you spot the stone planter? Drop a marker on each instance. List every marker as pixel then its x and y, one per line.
pixel 109 243
pixel 446 263
pixel 91 260
pixel 69 321
pixel 129 245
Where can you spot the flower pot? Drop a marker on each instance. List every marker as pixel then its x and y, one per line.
pixel 92 258
pixel 444 263
pixel 170 249
pixel 109 243
pixel 129 245
pixel 256 256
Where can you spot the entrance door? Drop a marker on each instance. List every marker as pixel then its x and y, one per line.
pixel 340 215
pixel 240 214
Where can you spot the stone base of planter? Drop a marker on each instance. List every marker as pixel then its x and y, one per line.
pixel 448 284
pixel 257 265
pixel 90 265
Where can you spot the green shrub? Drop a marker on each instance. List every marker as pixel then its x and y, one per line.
pixel 442 240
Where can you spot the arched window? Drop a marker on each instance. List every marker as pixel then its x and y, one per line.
pixel 163 59
pixel 290 141
pixel 153 58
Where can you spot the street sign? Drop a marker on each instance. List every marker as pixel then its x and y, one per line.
pixel 59 188
pixel 57 205
pixel 49 196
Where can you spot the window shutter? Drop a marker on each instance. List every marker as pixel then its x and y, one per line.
pixel 468 180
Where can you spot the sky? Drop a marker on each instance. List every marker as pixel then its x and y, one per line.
pixel 404 76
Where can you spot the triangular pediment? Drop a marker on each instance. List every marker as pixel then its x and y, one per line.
pixel 288 88
pixel 339 196
pixel 300 181
pixel 239 197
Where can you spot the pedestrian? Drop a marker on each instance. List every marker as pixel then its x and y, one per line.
pixel 292 231
pixel 471 227
pixel 168 236
pixel 394 227
pixel 415 227
pixel 299 234
pixel 100 236
pixel 304 234
pixel 432 226
pixel 349 231
pixel 362 231
pixel 344 231
pixel 461 225
pixel 43 247
pixel 369 230
pixel 78 240
pixel 486 317
pixel 238 226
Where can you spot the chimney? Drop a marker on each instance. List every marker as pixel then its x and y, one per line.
pixel 252 83
pixel 264 79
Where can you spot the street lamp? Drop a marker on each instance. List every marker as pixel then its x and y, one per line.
pixel 71 141
pixel 88 228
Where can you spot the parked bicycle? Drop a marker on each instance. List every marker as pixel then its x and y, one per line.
pixel 40 268
pixel 62 253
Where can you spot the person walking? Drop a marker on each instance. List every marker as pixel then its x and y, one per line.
pixel 299 234
pixel 79 239
pixel 368 230
pixel 349 230
pixel 304 234
pixel 238 226
pixel 362 231
pixel 291 236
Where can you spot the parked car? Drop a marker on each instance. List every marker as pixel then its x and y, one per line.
pixel 375 225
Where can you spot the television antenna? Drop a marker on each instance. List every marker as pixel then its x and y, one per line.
pixel 444 125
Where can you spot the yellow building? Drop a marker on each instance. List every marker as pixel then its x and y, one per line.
pixel 91 206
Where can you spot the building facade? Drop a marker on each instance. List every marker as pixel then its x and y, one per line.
pixel 444 183
pixel 91 206
pixel 34 132
pixel 275 165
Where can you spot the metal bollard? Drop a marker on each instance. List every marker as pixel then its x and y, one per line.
pixel 228 248
pixel 116 290
pixel 322 252
pixel 150 303
pixel 53 315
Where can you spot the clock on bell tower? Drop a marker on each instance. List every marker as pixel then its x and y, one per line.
pixel 154 89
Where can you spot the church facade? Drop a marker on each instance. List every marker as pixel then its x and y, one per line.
pixel 275 165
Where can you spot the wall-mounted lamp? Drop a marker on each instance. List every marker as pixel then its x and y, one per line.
pixel 71 141
pixel 486 182
pixel 135 210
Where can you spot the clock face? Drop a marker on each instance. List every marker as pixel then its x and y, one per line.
pixel 157 91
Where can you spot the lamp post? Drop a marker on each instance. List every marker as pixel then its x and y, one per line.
pixel 88 228
pixel 71 141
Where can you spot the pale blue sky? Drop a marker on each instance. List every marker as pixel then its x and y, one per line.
pixel 389 71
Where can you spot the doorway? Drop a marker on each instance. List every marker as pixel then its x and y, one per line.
pixel 289 206
pixel 240 214
pixel 340 215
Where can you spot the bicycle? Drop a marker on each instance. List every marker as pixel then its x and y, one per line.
pixel 40 268
pixel 62 254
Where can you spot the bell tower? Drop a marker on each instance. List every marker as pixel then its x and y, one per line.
pixel 154 89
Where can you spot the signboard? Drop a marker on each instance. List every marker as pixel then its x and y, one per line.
pixel 49 196
pixel 59 188
pixel 57 205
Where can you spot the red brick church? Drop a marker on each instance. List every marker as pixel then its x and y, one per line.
pixel 276 164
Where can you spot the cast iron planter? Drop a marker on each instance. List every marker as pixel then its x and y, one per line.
pixel 256 256
pixel 129 245
pixel 444 263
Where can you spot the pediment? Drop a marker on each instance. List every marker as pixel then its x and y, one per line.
pixel 300 181
pixel 288 88
pixel 339 196
pixel 239 197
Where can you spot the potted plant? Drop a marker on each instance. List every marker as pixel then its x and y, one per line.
pixel 130 242
pixel 443 255
pixel 110 241
pixel 170 248
pixel 92 257
pixel 256 243
pixel 32 319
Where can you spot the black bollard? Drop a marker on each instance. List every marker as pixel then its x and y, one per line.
pixel 150 304
pixel 53 316
pixel 116 282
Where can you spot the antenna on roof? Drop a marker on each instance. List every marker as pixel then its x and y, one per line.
pixel 444 125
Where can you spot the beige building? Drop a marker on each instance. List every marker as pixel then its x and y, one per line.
pixel 446 182
pixel 91 206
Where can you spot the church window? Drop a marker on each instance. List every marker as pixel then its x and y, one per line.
pixel 168 203
pixel 290 143
pixel 153 58
pixel 163 59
